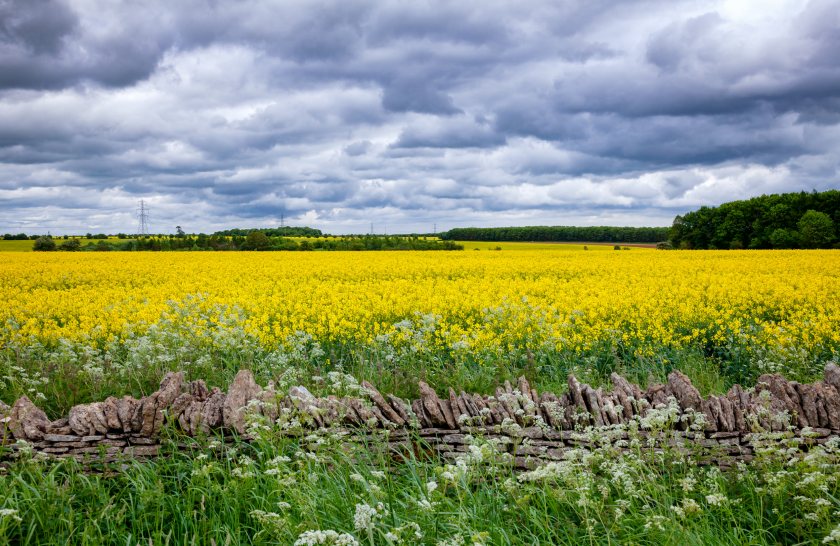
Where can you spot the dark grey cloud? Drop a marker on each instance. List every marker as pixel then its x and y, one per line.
pixel 335 113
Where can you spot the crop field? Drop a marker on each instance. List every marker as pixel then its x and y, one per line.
pixel 77 327
pixel 26 245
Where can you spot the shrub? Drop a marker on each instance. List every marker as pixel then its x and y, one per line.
pixel 44 244
pixel 70 245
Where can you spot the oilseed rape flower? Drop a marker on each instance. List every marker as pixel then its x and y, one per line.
pixel 783 306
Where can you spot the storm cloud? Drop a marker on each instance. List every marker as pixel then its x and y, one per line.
pixel 336 114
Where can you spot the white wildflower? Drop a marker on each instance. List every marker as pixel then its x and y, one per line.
pixel 364 517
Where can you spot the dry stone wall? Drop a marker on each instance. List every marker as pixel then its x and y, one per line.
pixel 532 427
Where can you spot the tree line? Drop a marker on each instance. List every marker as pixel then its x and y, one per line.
pixel 590 234
pixel 786 220
pixel 255 240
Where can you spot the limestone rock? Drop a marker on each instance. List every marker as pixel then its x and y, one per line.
pixel 126 406
pixel 831 399
pixel 82 420
pixel 550 409
pixel 27 421
pixel 382 405
pixel 448 414
pixel 623 399
pixel 525 388
pixel 59 426
pixel 657 394
pixel 212 411
pixel 593 405
pixel 727 422
pixel 511 405
pixel 781 399
pixel 685 393
pixel 630 389
pixel 431 403
pixel 241 391
pixel 198 389
pixel 808 399
pixel 458 407
pixel 400 407
pixel 420 411
pixel 110 411
pixel 832 375
pixel 739 402
pixel 575 392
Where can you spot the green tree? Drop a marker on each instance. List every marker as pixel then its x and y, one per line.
pixel 816 230
pixel 256 240
pixel 784 238
pixel 44 243
pixel 70 245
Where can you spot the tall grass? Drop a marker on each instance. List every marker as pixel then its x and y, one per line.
pixel 272 492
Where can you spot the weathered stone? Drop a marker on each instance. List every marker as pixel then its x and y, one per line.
pixel 738 408
pixel 79 420
pixel 180 405
pixel 212 411
pixel 111 413
pixel 525 388
pixel 610 410
pixel 459 410
pixel 497 410
pixel 624 401
pixel 780 399
pixel 126 407
pixel 631 390
pixel 727 415
pixel 685 393
pixel 422 417
pixel 59 426
pixel 808 397
pixel 832 375
pixel 241 391
pixel 60 438
pixel 550 409
pixel 448 414
pixel 711 413
pixel 431 403
pixel 399 405
pixel 384 407
pixel 831 399
pixel 723 422
pixel 366 417
pixel 198 389
pixel 575 392
pixel 511 405
pixel 657 394
pixel 198 410
pixel 142 451
pixel 593 405
pixel 306 403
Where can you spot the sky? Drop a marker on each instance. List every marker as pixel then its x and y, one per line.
pixel 408 116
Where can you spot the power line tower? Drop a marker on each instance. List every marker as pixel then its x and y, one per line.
pixel 142 218
pixel 282 220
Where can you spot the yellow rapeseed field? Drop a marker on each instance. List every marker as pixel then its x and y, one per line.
pixel 468 301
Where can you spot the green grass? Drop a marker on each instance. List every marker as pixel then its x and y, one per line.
pixel 16 246
pixel 26 246
pixel 271 492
